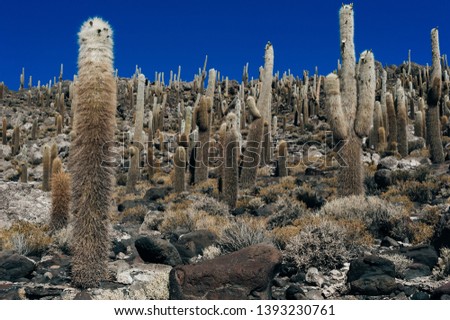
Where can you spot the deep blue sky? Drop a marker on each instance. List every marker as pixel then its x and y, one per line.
pixel 160 35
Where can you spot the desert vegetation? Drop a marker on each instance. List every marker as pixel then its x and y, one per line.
pixel 300 187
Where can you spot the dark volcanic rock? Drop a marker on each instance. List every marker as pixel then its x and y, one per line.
pixel 416 270
pixel 14 267
pixel 442 291
pixel 192 244
pixel 441 237
pixel 156 250
pixel 244 274
pixel 423 254
pixel 383 178
pixel 154 194
pixel 371 276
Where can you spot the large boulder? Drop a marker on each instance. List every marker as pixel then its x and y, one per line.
pixel 244 274
pixel 14 267
pixel 372 276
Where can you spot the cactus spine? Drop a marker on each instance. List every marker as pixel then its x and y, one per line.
pixel 433 97
pixel 180 169
pixel 61 196
pixel 402 120
pixel 92 181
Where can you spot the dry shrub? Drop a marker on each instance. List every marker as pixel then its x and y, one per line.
pixel 282 235
pixel 271 193
pixel 134 214
pixel 265 171
pixel 177 219
pixel 375 213
pixel 422 192
pixel 25 238
pixel 321 244
pixel 210 205
pixel 287 210
pixel 243 232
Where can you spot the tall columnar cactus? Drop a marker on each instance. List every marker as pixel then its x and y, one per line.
pixel 133 170
pixel 402 123
pixel 92 182
pixel 282 159
pixel 150 150
pixel 352 120
pixel 231 165
pixel 203 122
pixel 252 152
pixel 188 121
pixel 16 141
pixel 221 166
pixel 2 90
pixel 385 123
pixel 46 168
pixel 59 124
pixel 266 145
pixel 53 154
pixel 34 130
pixel 260 112
pixel 377 123
pixel 382 143
pixel 139 123
pixel 392 122
pixel 23 172
pixel 4 131
pixel 61 196
pixel 433 97
pixel 179 162
pixel 418 124
pixel 22 79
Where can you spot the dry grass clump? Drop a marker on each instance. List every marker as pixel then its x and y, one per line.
pixel 323 244
pixel 25 238
pixel 243 232
pixel 210 205
pixel 422 192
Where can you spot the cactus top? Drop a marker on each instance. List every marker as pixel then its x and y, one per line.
pixel 96 36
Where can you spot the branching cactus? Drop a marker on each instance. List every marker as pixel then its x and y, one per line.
pixel 402 123
pixel 179 162
pixel 352 119
pixel 433 97
pixel 92 182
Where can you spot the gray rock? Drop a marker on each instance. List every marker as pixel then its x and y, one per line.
pixel 20 201
pixel 389 163
pixel 314 277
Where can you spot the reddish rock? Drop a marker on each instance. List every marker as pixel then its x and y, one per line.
pixel 244 274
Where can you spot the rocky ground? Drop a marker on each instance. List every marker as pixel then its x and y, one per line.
pixel 288 238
